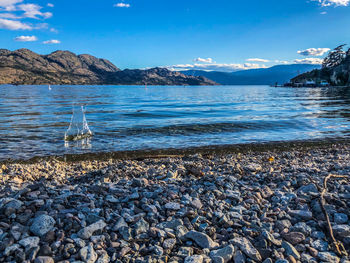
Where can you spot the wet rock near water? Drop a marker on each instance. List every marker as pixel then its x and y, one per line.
pixel 213 208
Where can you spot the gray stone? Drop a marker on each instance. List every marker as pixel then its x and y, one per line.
pixel 268 236
pixel 310 188
pixel 201 239
pixel 44 260
pixel 320 245
pixel 342 230
pixel 173 206
pixel 104 258
pixel 247 248
pixel 328 257
pixel 239 257
pixel 42 224
pixel 141 226
pixel 303 214
pixel 88 254
pixel 169 243
pixel 120 223
pixel 290 250
pixel 125 233
pixel 194 259
pixel 303 228
pixel 88 231
pixel 29 242
pixel 226 253
pixel 185 252
pixel 294 237
pixel 9 250
pixel 340 218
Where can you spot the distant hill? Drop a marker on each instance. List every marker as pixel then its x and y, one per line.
pixel 264 76
pixel 63 67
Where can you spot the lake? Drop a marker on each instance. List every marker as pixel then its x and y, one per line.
pixel 33 119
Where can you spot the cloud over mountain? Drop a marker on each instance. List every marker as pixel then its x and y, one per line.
pixel 314 52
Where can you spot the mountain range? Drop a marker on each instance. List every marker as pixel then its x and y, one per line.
pixel 263 76
pixel 24 67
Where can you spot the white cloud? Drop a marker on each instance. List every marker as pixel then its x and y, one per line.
pixel 308 61
pixel 333 2
pixel 122 5
pixel 9 16
pixel 9 5
pixel 216 67
pixel 52 41
pixel 314 52
pixel 282 62
pixel 14 25
pixel 257 60
pixel 33 11
pixel 26 38
pixel 204 60
pixel 50 5
pixel 323 13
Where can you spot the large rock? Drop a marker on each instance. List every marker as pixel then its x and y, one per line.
pixel 42 224
pixel 290 250
pixel 201 239
pixel 88 254
pixel 247 248
pixel 342 230
pixel 88 231
pixel 225 253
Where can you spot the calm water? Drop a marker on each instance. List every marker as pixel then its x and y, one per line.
pixel 33 119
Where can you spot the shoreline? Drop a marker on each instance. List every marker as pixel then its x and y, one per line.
pixel 258 204
pixel 203 150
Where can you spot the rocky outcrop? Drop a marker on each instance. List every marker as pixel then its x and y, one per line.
pixel 63 67
pixel 336 76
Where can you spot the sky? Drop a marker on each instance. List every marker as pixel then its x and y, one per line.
pixel 224 35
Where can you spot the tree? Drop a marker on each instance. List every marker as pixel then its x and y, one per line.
pixel 335 57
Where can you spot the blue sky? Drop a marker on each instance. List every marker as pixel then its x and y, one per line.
pixel 214 35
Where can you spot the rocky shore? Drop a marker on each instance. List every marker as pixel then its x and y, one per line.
pixel 249 207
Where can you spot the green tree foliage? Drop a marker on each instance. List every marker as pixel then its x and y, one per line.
pixel 335 57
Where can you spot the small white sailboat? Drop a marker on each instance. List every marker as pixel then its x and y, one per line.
pixel 50 87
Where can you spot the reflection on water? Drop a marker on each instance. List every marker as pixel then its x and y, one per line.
pixel 34 119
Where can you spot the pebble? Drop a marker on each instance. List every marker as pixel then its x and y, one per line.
pixel 211 208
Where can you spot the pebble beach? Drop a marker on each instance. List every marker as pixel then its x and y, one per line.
pixel 253 206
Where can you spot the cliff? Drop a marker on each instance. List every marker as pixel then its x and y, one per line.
pixel 24 67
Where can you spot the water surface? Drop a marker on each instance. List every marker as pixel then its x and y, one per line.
pixel 33 119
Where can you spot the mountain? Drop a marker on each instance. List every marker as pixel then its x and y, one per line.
pixel 264 76
pixel 63 67
pixel 338 75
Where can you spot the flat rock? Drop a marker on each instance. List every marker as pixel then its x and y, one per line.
pixel 201 239
pixel 172 206
pixel 247 248
pixel 294 237
pixel 290 250
pixel 194 259
pixel 88 231
pixel 42 224
pixel 226 253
